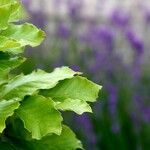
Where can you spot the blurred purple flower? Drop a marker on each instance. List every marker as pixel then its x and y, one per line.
pixel 38 19
pixel 74 8
pixel 63 31
pixel 84 122
pixel 136 69
pixel 120 18
pixel 57 3
pixel 26 3
pixel 135 41
pixel 100 62
pixel 146 114
pixel 75 67
pixel 99 37
pixel 147 16
pixel 141 108
pixel 112 106
pixel 105 37
pixel 112 99
pixel 138 46
pixel 137 101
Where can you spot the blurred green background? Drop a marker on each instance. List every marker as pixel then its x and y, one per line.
pixel 108 40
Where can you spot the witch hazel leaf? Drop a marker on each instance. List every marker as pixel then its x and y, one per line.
pixel 73 94
pixel 22 85
pixel 7 109
pixel 25 34
pixel 40 117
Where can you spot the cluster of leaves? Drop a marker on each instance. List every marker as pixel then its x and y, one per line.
pixel 31 105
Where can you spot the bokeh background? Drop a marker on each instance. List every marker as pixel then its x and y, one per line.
pixel 108 40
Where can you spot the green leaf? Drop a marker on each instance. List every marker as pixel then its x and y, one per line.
pixel 25 34
pixel 72 94
pixel 76 105
pixel 3 77
pixel 8 10
pixel 66 141
pixel 5 11
pixel 7 109
pixel 21 85
pixel 5 2
pixel 39 116
pixel 18 13
pixel 8 63
pixel 8 44
pixel 75 88
pixel 16 130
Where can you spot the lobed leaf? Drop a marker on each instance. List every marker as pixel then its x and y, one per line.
pixel 74 88
pixel 66 141
pixel 7 109
pixel 7 45
pixel 22 85
pixel 11 10
pixel 25 34
pixel 17 13
pixel 72 94
pixel 39 116
pixel 76 105
pixel 8 63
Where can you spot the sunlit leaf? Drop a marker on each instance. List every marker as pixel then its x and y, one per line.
pixel 25 34
pixel 9 11
pixel 72 94
pixel 76 105
pixel 39 116
pixel 23 85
